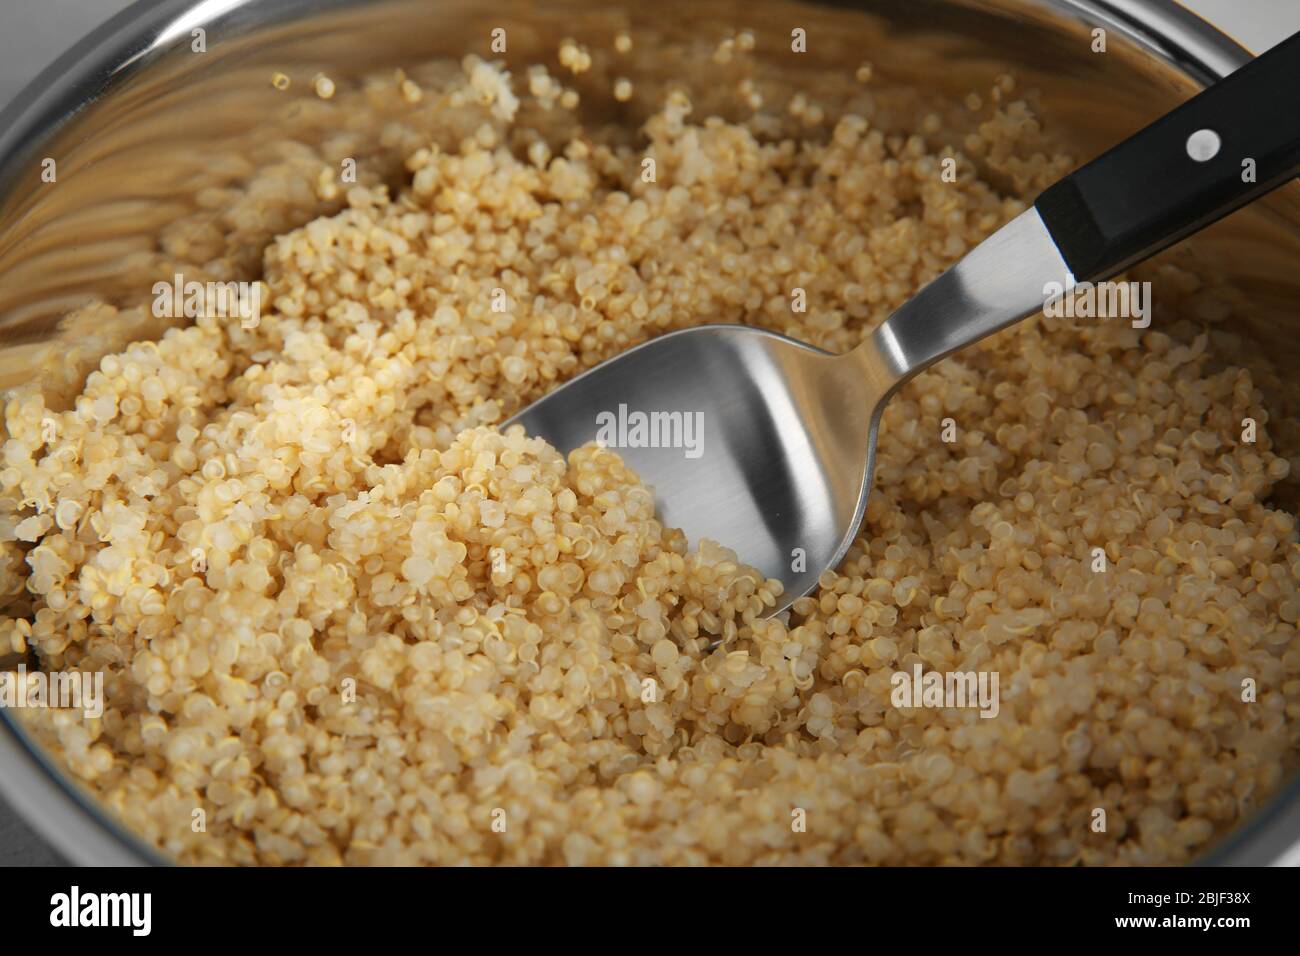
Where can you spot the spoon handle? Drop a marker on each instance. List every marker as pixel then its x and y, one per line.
pixel 1230 144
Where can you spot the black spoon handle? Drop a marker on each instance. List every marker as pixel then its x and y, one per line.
pixel 1228 145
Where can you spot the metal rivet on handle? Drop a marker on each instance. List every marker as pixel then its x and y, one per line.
pixel 1203 145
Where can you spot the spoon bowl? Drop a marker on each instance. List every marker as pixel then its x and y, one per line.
pixel 747 438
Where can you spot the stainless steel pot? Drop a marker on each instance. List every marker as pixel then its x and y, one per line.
pixel 141 124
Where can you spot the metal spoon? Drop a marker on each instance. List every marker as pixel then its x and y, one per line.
pixel 771 443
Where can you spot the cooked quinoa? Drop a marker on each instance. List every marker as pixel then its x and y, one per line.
pixel 348 618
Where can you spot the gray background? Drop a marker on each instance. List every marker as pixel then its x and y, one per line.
pixel 34 32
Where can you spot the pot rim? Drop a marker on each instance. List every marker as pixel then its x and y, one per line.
pixel 127 43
